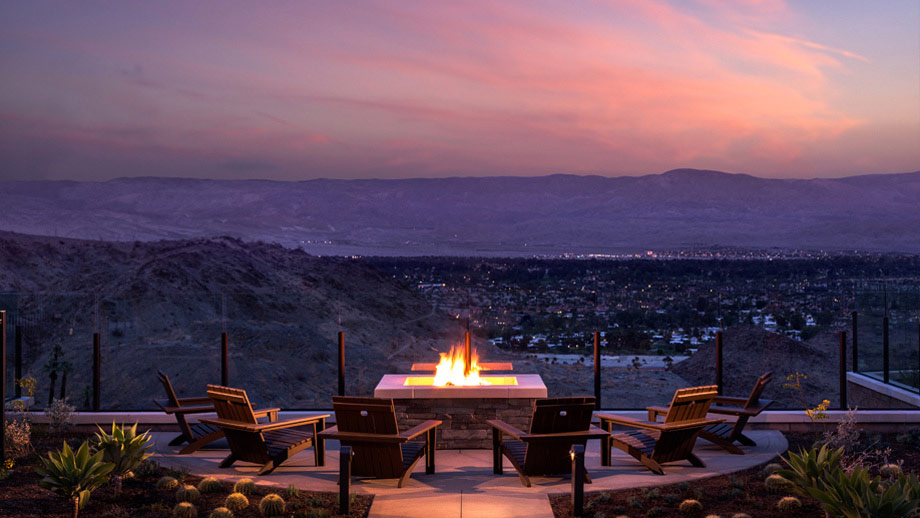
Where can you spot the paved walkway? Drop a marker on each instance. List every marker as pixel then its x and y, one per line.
pixel 464 484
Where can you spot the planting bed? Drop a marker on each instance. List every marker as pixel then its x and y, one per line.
pixel 21 496
pixel 741 492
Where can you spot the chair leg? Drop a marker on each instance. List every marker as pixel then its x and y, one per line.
pixel 725 444
pixel 406 474
pixel 268 467
pixel 181 438
pixel 695 461
pixel 228 461
pixel 497 451
pixel 650 464
pixel 524 478
pixel 201 441
pixel 745 440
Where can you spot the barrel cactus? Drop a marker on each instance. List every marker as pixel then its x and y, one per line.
pixel 691 507
pixel 185 510
pixel 741 515
pixel 890 470
pixel 236 502
pixel 772 468
pixel 187 493
pixel 244 485
pixel 271 505
pixel 788 504
pixel 777 484
pixel 167 483
pixel 221 512
pixel 209 485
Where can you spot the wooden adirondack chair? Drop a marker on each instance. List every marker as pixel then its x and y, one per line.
pixel 369 426
pixel 196 434
pixel 268 444
pixel 654 443
pixel 725 434
pixel 557 424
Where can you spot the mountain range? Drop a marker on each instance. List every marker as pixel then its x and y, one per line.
pixel 485 216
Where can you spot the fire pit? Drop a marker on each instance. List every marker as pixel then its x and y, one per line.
pixel 462 398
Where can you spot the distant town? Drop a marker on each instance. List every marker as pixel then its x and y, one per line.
pixel 664 303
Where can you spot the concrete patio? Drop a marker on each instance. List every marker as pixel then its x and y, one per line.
pixel 464 484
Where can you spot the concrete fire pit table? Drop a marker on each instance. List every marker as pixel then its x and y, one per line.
pixel 464 410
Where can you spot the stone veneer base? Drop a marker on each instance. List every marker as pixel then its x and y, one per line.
pixel 465 423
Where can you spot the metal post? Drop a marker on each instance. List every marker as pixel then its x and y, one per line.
pixel 843 370
pixel 578 479
pixel 468 356
pixel 224 359
pixel 885 371
pixel 341 363
pixel 17 360
pixel 719 360
pixel 597 370
pixel 855 345
pixel 345 455
pixel 3 386
pixel 97 363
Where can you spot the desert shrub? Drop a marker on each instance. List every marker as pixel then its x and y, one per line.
pixel 209 485
pixel 690 507
pixel 788 503
pixel 59 413
pixel 187 493
pixel 147 468
pixel 736 483
pixel 167 483
pixel 634 501
pixel 18 438
pixel 651 493
pixel 244 486
pixel 890 470
pixel 271 505
pixel 670 498
pixel 185 510
pixel 221 512
pixel 656 512
pixel 236 502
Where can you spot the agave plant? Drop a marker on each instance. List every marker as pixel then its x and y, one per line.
pixel 74 476
pixel 809 468
pixel 857 495
pixel 123 448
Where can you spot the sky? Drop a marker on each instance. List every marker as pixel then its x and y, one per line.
pixel 401 89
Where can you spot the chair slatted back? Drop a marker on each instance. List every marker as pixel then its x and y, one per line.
pixel 556 416
pixel 170 393
pixel 373 416
pixel 754 398
pixel 688 404
pixel 691 403
pixel 232 404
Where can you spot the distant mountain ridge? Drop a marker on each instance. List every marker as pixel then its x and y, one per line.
pixel 495 216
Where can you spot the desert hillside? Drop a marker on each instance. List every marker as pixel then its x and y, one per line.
pixel 163 305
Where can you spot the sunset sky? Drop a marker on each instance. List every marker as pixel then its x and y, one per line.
pixel 396 89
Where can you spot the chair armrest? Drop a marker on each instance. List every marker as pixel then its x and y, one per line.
pixel 272 413
pixel 183 410
pixel 728 400
pixel 694 423
pixel 258 428
pixel 655 411
pixel 334 433
pixel 195 401
pixel 507 428
pixel 419 429
pixel 592 432
pixel 629 421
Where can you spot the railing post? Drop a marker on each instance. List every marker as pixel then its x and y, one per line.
pixel 2 386
pixel 597 370
pixel 885 371
pixel 345 455
pixel 719 360
pixel 843 370
pixel 224 359
pixel 855 345
pixel 341 363
pixel 97 364
pixel 578 479
pixel 17 360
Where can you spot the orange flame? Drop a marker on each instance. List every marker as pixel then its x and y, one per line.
pixel 450 370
